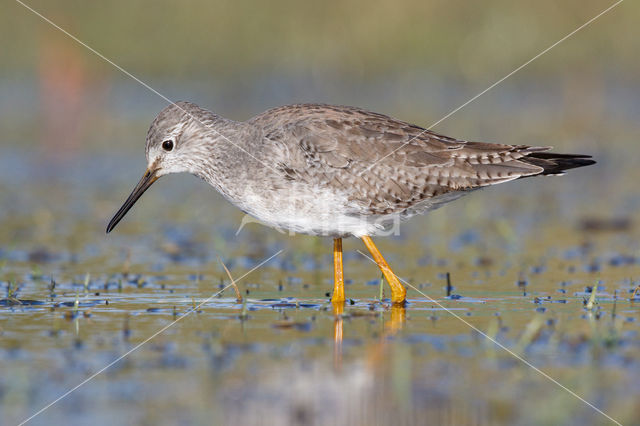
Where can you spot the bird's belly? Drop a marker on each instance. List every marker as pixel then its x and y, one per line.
pixel 301 210
pixel 324 212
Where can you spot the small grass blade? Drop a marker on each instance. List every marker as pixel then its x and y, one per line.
pixel 233 282
pixel 592 299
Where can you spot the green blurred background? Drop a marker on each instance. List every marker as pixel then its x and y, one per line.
pixel 416 60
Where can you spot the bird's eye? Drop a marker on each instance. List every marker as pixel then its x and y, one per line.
pixel 167 145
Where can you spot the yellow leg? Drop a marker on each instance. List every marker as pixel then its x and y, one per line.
pixel 398 292
pixel 338 275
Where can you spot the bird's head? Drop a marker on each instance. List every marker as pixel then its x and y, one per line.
pixel 176 141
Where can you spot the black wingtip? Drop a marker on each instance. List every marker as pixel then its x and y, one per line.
pixel 553 163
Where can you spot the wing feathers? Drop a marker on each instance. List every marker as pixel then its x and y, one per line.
pixel 388 165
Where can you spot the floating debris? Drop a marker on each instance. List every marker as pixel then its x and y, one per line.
pixel 20 302
pixel 619 224
pixel 589 304
pixel 522 285
pixel 287 324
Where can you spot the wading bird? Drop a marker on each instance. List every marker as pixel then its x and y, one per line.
pixel 333 171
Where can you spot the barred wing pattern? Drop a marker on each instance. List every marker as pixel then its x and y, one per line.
pixel 388 166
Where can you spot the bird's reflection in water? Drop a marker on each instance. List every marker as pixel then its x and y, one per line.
pixel 398 318
pixel 338 310
pixel 395 324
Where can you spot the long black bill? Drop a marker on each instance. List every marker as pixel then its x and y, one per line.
pixel 146 181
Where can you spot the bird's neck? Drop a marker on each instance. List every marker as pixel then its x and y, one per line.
pixel 232 149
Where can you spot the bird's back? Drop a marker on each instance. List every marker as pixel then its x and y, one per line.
pixel 387 165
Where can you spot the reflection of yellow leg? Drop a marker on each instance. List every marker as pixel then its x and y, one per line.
pixel 338 308
pixel 398 292
pixel 398 317
pixel 338 276
pixel 381 353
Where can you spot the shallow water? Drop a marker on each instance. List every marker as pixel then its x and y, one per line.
pixel 145 323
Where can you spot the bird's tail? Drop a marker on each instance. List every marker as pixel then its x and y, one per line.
pixel 557 164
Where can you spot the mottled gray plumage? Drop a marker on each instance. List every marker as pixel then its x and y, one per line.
pixel 335 170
